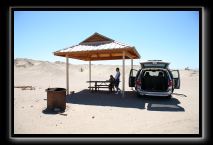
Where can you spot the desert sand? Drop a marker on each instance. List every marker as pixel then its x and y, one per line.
pixel 100 112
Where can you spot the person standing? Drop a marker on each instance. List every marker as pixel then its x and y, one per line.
pixel 117 80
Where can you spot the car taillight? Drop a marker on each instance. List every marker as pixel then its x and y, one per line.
pixel 138 82
pixel 170 83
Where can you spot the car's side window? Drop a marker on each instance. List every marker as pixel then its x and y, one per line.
pixel 175 74
pixel 134 73
pixel 170 73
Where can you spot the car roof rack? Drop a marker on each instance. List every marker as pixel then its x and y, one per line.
pixel 154 60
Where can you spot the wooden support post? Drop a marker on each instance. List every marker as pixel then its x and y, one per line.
pixel 67 73
pixel 131 68
pixel 123 83
pixel 90 73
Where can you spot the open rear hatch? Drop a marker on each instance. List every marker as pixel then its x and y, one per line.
pixel 154 64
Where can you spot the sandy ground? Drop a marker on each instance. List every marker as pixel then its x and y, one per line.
pixel 101 112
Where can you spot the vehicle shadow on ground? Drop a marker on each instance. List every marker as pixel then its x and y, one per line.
pixel 105 98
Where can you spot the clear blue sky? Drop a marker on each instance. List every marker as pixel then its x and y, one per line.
pixel 171 36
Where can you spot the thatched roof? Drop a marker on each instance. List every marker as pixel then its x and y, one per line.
pixel 99 47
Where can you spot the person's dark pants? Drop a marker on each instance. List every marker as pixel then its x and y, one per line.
pixel 117 84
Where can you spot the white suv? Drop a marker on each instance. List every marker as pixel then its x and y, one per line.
pixel 154 79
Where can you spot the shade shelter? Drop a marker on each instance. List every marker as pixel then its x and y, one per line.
pixel 99 47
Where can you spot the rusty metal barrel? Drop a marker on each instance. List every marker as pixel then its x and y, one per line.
pixel 56 98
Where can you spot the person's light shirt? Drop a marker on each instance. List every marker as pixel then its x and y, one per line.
pixel 117 76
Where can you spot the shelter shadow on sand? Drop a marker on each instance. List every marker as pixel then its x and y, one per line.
pixel 105 98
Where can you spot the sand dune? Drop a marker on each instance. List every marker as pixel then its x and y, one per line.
pixel 99 112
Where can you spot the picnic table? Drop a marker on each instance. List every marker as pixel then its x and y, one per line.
pixel 99 84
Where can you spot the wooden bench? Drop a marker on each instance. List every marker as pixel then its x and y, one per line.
pixel 98 84
pixel 98 87
pixel 102 85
